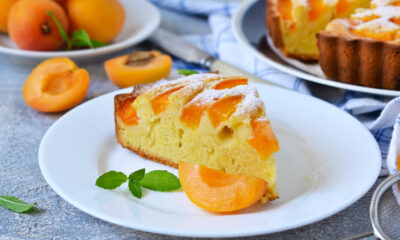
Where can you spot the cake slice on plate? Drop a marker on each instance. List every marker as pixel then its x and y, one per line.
pixel 217 121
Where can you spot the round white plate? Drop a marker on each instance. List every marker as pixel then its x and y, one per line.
pixel 327 161
pixel 249 28
pixel 141 19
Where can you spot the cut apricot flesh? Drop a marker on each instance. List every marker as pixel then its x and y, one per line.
pixel 316 9
pixel 263 139
pixel 230 83
pixel 56 85
pixel 160 103
pixel 127 113
pixel 217 191
pixel 285 8
pixel 342 6
pixel 191 114
pixel 222 109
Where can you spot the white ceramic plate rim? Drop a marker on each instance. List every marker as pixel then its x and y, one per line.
pixel 240 36
pixel 235 233
pixel 150 27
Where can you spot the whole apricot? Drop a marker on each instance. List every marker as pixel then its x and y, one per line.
pixel 5 6
pixel 102 19
pixel 56 85
pixel 138 68
pixel 31 28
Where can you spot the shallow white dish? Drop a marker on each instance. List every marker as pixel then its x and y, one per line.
pixel 249 28
pixel 141 19
pixel 327 161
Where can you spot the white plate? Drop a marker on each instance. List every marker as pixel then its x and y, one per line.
pixel 327 161
pixel 141 19
pixel 249 28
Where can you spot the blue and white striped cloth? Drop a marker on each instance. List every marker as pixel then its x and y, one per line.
pixel 222 44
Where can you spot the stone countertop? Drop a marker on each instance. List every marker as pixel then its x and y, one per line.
pixel 21 129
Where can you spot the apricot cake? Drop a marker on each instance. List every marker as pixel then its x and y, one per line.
pixel 365 48
pixel 217 121
pixel 293 24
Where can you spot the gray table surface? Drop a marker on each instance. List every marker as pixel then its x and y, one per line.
pixel 21 129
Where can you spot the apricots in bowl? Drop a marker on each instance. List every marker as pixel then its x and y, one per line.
pixel 102 19
pixel 5 7
pixel 56 85
pixel 138 68
pixel 31 28
pixel 217 191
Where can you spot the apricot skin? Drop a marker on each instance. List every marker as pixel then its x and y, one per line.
pixel 217 191
pixel 55 85
pixel 5 6
pixel 102 19
pixel 31 28
pixel 124 75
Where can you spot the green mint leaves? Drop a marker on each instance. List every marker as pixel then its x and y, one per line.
pixel 157 180
pixel 14 204
pixel 187 72
pixel 79 39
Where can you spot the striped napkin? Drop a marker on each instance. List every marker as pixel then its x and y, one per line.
pixel 222 44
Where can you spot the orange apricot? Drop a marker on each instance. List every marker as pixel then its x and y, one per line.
pixel 316 9
pixel 222 109
pixel 56 85
pixel 160 102
pixel 31 28
pixel 138 68
pixel 342 6
pixel 230 83
pixel 5 6
pixel 102 19
pixel 285 8
pixel 191 114
pixel 127 113
pixel 217 191
pixel 263 139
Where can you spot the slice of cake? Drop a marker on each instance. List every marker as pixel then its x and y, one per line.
pixel 293 24
pixel 365 48
pixel 217 121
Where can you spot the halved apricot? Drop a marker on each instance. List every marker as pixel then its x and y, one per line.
pixel 222 109
pixel 263 139
pixel 285 9
pixel 231 83
pixel 398 163
pixel 127 113
pixel 138 68
pixel 160 103
pixel 5 6
pixel 217 191
pixel 55 85
pixel 379 35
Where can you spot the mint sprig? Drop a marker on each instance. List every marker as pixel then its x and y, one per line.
pixel 14 204
pixel 187 72
pixel 157 180
pixel 79 38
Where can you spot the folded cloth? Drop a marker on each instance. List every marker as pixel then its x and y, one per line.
pixel 222 44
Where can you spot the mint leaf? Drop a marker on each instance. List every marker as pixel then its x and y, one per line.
pixel 160 180
pixel 80 38
pixel 97 44
pixel 135 188
pixel 187 72
pixel 111 180
pixel 137 175
pixel 63 34
pixel 14 204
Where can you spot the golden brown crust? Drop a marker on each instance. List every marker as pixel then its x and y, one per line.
pixel 273 19
pixel 360 61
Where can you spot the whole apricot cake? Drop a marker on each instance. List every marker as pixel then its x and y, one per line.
pixel 365 48
pixel 217 121
pixel 293 24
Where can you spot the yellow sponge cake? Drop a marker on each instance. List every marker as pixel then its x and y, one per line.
pixel 217 121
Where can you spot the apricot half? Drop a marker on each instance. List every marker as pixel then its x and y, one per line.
pixel 5 6
pixel 222 109
pixel 263 139
pixel 217 191
pixel 55 85
pixel 31 28
pixel 138 68
pixel 102 19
